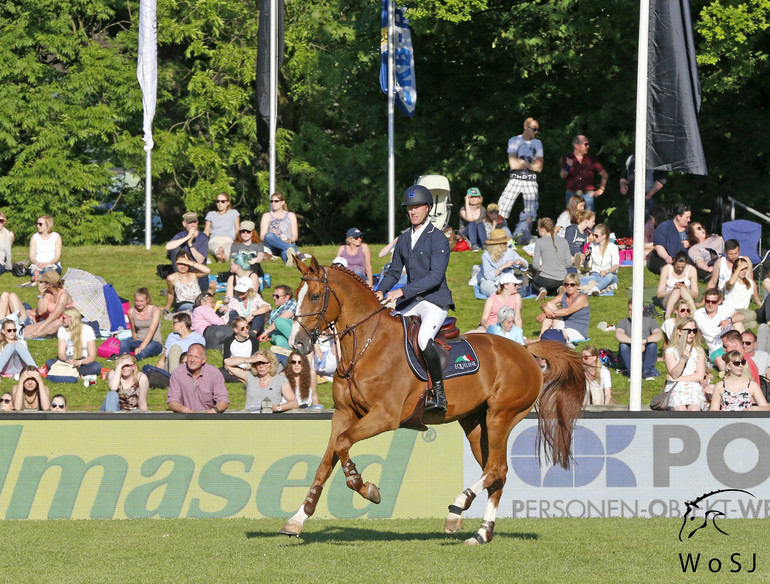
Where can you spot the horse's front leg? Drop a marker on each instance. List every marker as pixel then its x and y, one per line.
pixel 377 421
pixel 293 526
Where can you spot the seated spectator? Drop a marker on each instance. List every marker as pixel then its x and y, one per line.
pixel 723 267
pixel 760 358
pixel 682 308
pixel 279 326
pixel 704 250
pixel 507 295
pixel 6 402
pixel 522 232
pixel 31 392
pixel 494 220
pixel 670 238
pixel 577 234
pixel 302 381
pixel 657 216
pixel 265 384
pixel 247 242
pixel 506 325
pixel 325 357
pixel 221 227
pixel 598 380
pixel 677 280
pixel 240 267
pixel 278 229
pixel 736 393
pixel 498 260
pixel 144 318
pixel 732 341
pixel 178 342
pixel 715 318
pixel 357 254
pixel 207 322
pixel 194 243
pixel 651 336
pixel 686 366
pixel 550 260
pixel 10 303
pixel 471 219
pixel 238 351
pixel 44 249
pixel 7 238
pixel 197 386
pixel 184 284
pixel 247 303
pixel 52 299
pixel 58 403
pixel 568 312
pixel 604 262
pixel 739 291
pixel 14 354
pixel 569 216
pixel 128 387
pixel 76 344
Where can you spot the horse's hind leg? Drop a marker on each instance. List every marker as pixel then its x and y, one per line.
pixel 475 432
pixel 295 523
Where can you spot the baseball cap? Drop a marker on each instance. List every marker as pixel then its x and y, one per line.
pixel 354 232
pixel 243 285
pixel 190 217
pixel 248 225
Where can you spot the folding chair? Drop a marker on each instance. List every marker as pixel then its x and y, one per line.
pixel 749 235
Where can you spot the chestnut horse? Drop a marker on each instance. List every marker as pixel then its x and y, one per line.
pixel 487 404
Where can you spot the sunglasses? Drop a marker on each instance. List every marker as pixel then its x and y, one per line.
pixel 712 301
pixel 684 310
pixel 277 296
pixel 537 129
pixel 13 330
pixel 54 406
pixel 747 343
pixel 5 400
pixel 689 330
pixel 276 201
pixel 570 285
pixel 258 363
pixel 739 363
pixel 221 200
pixel 2 220
pixel 245 230
pixel 295 362
pixel 40 224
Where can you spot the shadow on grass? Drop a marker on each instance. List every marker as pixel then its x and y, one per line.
pixel 351 534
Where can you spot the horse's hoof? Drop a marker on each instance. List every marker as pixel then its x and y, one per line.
pixel 475 540
pixel 372 493
pixel 291 527
pixel 453 524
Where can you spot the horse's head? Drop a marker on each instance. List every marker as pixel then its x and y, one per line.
pixel 318 306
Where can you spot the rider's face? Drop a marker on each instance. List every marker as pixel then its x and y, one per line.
pixel 417 213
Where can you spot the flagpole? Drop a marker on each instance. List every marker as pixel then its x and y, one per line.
pixel 148 200
pixel 147 74
pixel 273 90
pixel 640 181
pixel 391 127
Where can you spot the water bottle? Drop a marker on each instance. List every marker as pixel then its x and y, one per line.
pixel 267 406
pixel 69 351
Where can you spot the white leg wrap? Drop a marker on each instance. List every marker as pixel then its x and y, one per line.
pixel 300 516
pixel 491 512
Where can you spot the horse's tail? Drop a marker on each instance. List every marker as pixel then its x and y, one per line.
pixel 561 399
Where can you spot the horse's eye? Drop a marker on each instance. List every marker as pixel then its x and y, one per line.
pixel 315 297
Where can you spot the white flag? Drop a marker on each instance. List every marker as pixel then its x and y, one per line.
pixel 147 65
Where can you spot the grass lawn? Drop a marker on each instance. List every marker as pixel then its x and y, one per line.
pixel 130 267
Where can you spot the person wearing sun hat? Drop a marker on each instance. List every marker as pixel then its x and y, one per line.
pixel 499 259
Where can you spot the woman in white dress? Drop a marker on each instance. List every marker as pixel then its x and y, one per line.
pixel 44 248
pixel 739 290
pixel 686 365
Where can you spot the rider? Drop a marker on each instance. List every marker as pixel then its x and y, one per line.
pixel 424 251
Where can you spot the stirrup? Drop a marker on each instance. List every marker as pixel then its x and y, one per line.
pixel 436 400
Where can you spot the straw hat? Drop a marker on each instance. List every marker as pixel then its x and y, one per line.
pixel 497 236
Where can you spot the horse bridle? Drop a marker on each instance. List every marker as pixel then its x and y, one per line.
pixel 324 324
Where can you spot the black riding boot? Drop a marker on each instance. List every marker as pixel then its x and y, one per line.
pixel 436 401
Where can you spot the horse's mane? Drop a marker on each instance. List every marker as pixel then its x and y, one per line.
pixel 355 277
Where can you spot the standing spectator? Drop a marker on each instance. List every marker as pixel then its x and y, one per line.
pixel 44 248
pixel 670 238
pixel 735 392
pixel 723 267
pixel 704 250
pixel 197 386
pixel 568 312
pixel 507 295
pixel 184 285
pixel 208 323
pixel 31 392
pixel 52 299
pixel 525 159
pixel 578 168
pixel 598 380
pixel 6 402
pixel 651 336
pixel 715 318
pixel 127 387
pixel 195 243
pixel 281 318
pixel 761 358
pixel 677 280
pixel 238 351
pixel 686 365
pixel 357 254
pixel 179 341
pixel 6 243
pixel 278 229
pixel 246 302
pixel 570 215
pixel 471 217
pixel 506 325
pixel 550 260
pixel 76 344
pixel 497 260
pixel 14 354
pixel 247 242
pixel 144 318
pixel 302 382
pixel 221 227
pixel 265 383
pixel 654 180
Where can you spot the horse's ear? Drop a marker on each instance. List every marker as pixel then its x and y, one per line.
pixel 314 264
pixel 301 266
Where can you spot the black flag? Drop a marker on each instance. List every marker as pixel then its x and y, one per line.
pixel 263 69
pixel 673 99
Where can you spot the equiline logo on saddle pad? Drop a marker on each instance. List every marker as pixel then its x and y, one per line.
pixel 462 359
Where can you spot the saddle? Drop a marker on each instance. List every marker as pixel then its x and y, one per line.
pixel 441 340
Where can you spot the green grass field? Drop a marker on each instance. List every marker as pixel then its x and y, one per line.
pixel 600 551
pixel 130 267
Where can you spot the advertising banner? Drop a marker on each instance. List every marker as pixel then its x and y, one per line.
pixel 140 468
pixel 656 467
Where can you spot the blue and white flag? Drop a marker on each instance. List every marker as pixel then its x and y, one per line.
pixel 405 82
pixel 147 65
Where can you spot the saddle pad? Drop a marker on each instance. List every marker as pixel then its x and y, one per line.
pixel 462 358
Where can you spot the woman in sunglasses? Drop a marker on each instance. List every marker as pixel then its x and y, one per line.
pixel 686 365
pixel 44 248
pixel 6 402
pixel 14 355
pixel 58 403
pixel 247 241
pixel 31 392
pixel 302 380
pixel 263 382
pixel 222 225
pixel 278 229
pixel 682 308
pixel 736 393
